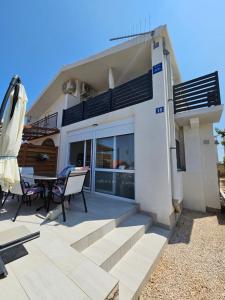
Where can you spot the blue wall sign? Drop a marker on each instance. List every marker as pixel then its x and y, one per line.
pixel 157 68
pixel 159 110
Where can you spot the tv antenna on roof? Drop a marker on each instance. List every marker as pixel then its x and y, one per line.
pixel 131 35
pixel 147 26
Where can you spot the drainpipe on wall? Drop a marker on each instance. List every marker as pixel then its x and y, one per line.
pixel 111 79
pixel 175 182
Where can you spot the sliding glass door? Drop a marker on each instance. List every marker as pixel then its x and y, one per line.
pixel 111 163
pixel 114 166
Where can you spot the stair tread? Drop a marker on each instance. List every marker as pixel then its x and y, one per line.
pixel 87 232
pixel 91 279
pixel 120 236
pixel 134 268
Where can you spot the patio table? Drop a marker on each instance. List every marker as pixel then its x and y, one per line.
pixel 50 182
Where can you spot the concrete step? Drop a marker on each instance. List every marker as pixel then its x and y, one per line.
pixel 135 268
pixel 87 277
pixel 108 250
pixel 87 233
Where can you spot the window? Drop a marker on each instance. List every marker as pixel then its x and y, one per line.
pixel 178 155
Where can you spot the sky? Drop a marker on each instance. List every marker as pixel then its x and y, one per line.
pixel 39 37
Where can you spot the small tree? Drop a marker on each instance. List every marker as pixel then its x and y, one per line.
pixel 221 132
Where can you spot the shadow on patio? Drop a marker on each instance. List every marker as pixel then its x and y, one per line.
pixel 99 208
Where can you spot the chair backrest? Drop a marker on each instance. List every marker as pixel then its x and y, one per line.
pixel 74 182
pixel 65 171
pixel 27 171
pixel 17 188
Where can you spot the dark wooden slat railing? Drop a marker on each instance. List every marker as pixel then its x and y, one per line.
pixel 73 113
pixel 98 105
pixel 130 93
pixel 197 93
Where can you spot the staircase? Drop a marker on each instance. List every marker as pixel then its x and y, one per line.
pixel 127 250
pixel 106 254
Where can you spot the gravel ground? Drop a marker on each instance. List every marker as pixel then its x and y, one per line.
pixel 193 263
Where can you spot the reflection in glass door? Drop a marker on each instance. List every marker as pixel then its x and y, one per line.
pixel 87 162
pixel 114 166
pixel 80 155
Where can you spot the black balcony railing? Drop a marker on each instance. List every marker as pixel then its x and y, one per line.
pixel 49 121
pixel 197 93
pixel 132 92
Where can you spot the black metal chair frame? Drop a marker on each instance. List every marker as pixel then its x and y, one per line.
pixel 62 196
pixel 24 198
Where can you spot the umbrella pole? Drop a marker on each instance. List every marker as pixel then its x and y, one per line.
pixel 13 83
pixel 1 195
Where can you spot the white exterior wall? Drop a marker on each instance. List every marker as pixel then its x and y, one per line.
pixel 151 141
pixel 210 161
pixel 200 179
pixel 57 106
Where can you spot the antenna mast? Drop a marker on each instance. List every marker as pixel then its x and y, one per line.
pixel 131 35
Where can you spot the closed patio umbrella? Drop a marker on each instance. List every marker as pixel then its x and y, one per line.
pixel 11 136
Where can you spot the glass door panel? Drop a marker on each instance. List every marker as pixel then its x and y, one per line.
pixel 81 156
pixel 114 167
pixel 88 159
pixel 125 185
pixel 125 152
pixel 77 154
pixel 104 153
pixel 104 182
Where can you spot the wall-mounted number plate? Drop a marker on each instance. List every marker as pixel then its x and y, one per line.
pixel 159 110
pixel 157 68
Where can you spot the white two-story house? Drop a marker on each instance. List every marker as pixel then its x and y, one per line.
pixel 146 135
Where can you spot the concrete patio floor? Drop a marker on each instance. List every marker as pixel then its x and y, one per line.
pixel 53 269
pixel 108 253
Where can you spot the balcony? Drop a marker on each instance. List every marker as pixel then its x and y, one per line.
pixel 49 121
pixel 42 128
pixel 130 93
pixel 197 93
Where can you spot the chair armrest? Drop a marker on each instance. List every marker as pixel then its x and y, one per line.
pixel 60 189
pixel 26 184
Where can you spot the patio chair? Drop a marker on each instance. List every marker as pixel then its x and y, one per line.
pixel 65 171
pixel 73 185
pixel 29 182
pixel 10 240
pixel 24 193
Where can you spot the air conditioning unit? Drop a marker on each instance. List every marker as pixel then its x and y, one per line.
pixel 85 90
pixel 69 87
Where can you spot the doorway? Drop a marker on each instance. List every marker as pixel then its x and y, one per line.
pixel 108 151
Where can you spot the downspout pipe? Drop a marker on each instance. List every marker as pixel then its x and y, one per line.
pixel 172 137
